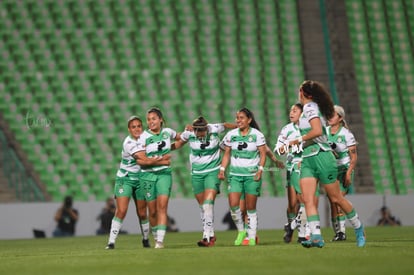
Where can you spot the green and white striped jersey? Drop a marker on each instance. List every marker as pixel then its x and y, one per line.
pixel 128 164
pixel 156 145
pixel 340 142
pixel 245 155
pixel 205 154
pixel 310 111
pixel 288 133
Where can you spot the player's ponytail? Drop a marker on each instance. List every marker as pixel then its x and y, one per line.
pixel 341 113
pixel 200 124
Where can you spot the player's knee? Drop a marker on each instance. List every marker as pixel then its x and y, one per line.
pixel 121 213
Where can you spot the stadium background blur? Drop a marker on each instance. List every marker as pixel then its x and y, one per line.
pixel 73 71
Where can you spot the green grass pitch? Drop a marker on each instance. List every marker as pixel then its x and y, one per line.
pixel 389 250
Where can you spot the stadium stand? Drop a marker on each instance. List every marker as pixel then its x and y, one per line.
pixel 383 61
pixel 73 71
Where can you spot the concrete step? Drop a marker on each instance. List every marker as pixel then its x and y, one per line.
pixel 316 68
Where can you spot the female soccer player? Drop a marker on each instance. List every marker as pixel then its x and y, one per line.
pixel 318 162
pixel 154 143
pixel 245 149
pixel 279 164
pixel 205 159
pixel 343 144
pixel 127 185
pixel 294 213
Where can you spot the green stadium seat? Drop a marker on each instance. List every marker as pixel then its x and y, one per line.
pixel 186 15
pixel 387 76
pixel 165 14
pixel 89 67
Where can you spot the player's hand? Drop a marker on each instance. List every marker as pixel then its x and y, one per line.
pixel 279 164
pixel 294 142
pixel 189 127
pixel 348 180
pixel 258 175
pixel 166 157
pixel 221 175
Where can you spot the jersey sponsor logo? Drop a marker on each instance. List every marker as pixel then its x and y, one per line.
pixel 242 145
pixel 161 145
pixel 204 145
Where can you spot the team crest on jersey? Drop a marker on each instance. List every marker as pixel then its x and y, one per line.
pixel 164 136
pixel 250 139
pixel 339 140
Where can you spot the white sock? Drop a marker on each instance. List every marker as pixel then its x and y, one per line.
pixel 145 229
pixel 208 220
pixel 303 224
pixel 342 227
pixel 252 222
pixel 356 223
pixel 307 231
pixel 354 219
pixel 315 227
pixel 335 225
pixel 154 232
pixel 115 228
pixel 236 215
pixel 297 220
pixel 160 235
pixel 202 219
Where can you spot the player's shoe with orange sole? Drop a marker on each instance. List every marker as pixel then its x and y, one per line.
pixel 246 240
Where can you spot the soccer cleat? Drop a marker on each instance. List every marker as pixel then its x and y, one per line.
pixel 302 239
pixel 314 241
pixel 212 241
pixel 287 237
pixel 203 243
pixel 159 245
pixel 252 242
pixel 246 240
pixel 360 236
pixel 145 243
pixel 340 236
pixel 110 246
pixel 240 237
